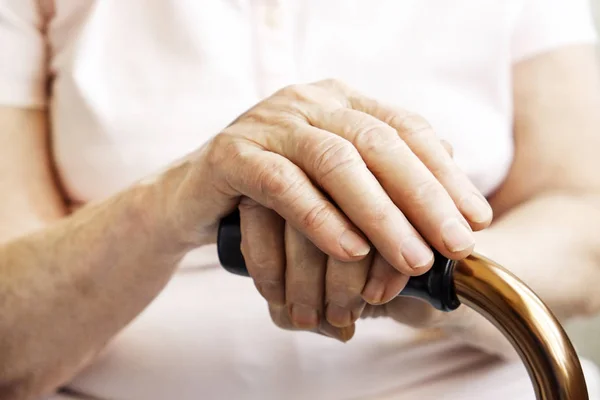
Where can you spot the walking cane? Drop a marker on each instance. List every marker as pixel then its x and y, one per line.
pixel 489 289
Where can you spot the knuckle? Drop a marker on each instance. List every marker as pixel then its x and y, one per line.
pixel 276 181
pixel 295 104
pixel 222 148
pixel 380 210
pixel 263 263
pixel 287 89
pixel 424 192
pixel 339 89
pixel 334 84
pixel 413 124
pixel 316 217
pixel 296 91
pixel 377 138
pixel 336 155
pixel 260 115
pixel 445 171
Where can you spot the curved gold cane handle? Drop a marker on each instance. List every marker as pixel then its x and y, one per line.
pixel 524 319
pixel 489 289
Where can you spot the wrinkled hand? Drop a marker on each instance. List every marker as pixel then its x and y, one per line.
pixel 321 174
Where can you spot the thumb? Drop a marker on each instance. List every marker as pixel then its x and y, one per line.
pixel 464 324
pixel 414 312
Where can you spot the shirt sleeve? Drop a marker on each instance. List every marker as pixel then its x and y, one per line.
pixel 23 72
pixel 544 25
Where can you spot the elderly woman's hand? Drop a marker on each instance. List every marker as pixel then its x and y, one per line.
pixel 323 173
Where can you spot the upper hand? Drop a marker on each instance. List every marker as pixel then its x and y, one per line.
pixel 345 172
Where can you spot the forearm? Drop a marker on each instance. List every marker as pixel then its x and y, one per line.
pixel 67 289
pixel 552 243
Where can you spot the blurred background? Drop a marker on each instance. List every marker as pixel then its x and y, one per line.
pixel 596 4
pixel 586 334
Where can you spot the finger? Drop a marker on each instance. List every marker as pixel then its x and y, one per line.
pixel 344 284
pixel 422 140
pixel 420 137
pixel 281 318
pixel 337 167
pixel 384 282
pixel 411 186
pixel 414 312
pixel 305 280
pixel 448 147
pixel 263 248
pixel 278 184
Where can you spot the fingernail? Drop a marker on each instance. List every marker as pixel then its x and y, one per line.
pixel 373 291
pixel 416 253
pixel 354 245
pixel 347 332
pixel 476 209
pixel 456 236
pixel 341 334
pixel 304 317
pixel 338 316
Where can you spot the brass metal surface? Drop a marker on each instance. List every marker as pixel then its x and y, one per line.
pixel 538 337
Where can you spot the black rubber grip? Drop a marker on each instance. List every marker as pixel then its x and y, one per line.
pixel 436 286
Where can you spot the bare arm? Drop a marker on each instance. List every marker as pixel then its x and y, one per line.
pixel 548 225
pixel 67 284
pixel 546 228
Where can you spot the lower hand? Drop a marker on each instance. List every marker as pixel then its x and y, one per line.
pixel 321 173
pixel 463 323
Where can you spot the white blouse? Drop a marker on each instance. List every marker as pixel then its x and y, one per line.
pixel 134 84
